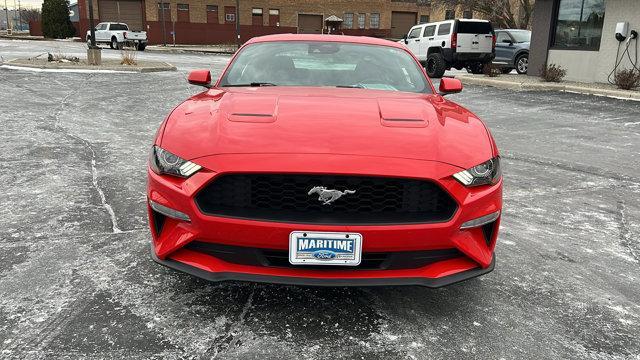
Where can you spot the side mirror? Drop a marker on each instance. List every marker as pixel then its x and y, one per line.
pixel 404 37
pixel 450 86
pixel 507 41
pixel 200 77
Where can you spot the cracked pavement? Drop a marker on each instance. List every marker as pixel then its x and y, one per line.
pixel 76 279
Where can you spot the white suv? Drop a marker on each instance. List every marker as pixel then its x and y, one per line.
pixel 450 44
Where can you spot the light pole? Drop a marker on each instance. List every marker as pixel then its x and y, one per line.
pixel 238 23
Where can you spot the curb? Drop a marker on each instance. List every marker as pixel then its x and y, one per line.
pixel 23 37
pixel 147 69
pixel 513 85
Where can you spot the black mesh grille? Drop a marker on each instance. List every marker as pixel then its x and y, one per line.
pixel 377 200
pixel 280 258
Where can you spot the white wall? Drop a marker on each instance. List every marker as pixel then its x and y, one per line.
pixel 595 66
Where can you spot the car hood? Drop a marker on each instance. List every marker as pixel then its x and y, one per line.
pixel 295 120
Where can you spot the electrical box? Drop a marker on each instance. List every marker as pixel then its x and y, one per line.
pixel 622 30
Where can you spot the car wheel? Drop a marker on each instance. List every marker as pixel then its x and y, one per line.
pixel 506 70
pixel 522 64
pixel 435 65
pixel 141 46
pixel 475 68
pixel 115 44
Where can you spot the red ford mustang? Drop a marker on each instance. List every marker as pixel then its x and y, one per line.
pixel 324 160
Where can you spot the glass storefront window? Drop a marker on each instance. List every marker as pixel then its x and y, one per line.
pixel 579 24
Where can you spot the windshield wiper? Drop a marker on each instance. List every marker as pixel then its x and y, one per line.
pixel 253 84
pixel 350 86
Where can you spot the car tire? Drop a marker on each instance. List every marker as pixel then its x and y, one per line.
pixel 522 64
pixel 141 46
pixel 506 70
pixel 435 65
pixel 475 68
pixel 115 44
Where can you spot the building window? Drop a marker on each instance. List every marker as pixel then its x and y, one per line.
pixel 274 17
pixel 361 19
pixel 467 14
pixel 164 12
pixel 212 14
pixel 229 14
pixel 374 21
pixel 449 14
pixel 183 12
pixel 579 24
pixel 256 16
pixel 424 19
pixel 348 21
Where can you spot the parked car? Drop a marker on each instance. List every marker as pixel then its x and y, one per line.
pixel 450 44
pixel 118 35
pixel 324 160
pixel 512 50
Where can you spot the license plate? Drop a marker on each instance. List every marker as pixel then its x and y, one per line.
pixel 326 248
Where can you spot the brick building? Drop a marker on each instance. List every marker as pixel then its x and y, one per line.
pixel 213 21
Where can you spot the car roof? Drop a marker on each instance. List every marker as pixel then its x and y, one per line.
pixel 332 38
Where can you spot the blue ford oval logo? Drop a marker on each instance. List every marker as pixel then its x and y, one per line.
pixel 324 254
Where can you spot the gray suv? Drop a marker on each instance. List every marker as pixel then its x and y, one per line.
pixel 512 50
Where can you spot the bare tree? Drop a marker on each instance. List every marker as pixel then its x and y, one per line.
pixel 508 14
pixel 30 15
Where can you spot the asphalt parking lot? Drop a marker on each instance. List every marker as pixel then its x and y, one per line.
pixel 76 279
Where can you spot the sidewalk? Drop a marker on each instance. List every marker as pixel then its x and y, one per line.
pixel 199 49
pixel 523 82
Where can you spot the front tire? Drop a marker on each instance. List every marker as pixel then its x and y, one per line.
pixel 435 65
pixel 522 64
pixel 141 46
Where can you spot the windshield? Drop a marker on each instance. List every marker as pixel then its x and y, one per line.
pixel 315 63
pixel 521 36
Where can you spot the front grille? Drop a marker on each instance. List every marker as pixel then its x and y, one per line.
pixel 284 198
pixel 280 258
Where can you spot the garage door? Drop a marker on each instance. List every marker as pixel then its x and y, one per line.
pixel 125 11
pixel 309 24
pixel 401 22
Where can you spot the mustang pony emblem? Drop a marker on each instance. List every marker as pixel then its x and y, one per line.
pixel 329 196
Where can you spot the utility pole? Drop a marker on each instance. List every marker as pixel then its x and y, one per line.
pixel 20 14
pixel 94 54
pixel 14 14
pixel 238 23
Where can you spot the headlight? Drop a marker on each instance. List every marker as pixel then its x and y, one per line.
pixel 164 162
pixel 486 173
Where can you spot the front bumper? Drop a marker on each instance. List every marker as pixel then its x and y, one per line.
pixel 171 239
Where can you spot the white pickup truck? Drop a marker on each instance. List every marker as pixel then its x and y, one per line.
pixel 118 35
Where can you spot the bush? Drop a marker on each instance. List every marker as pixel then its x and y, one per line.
pixel 55 19
pixel 552 73
pixel 491 70
pixel 627 79
pixel 129 57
